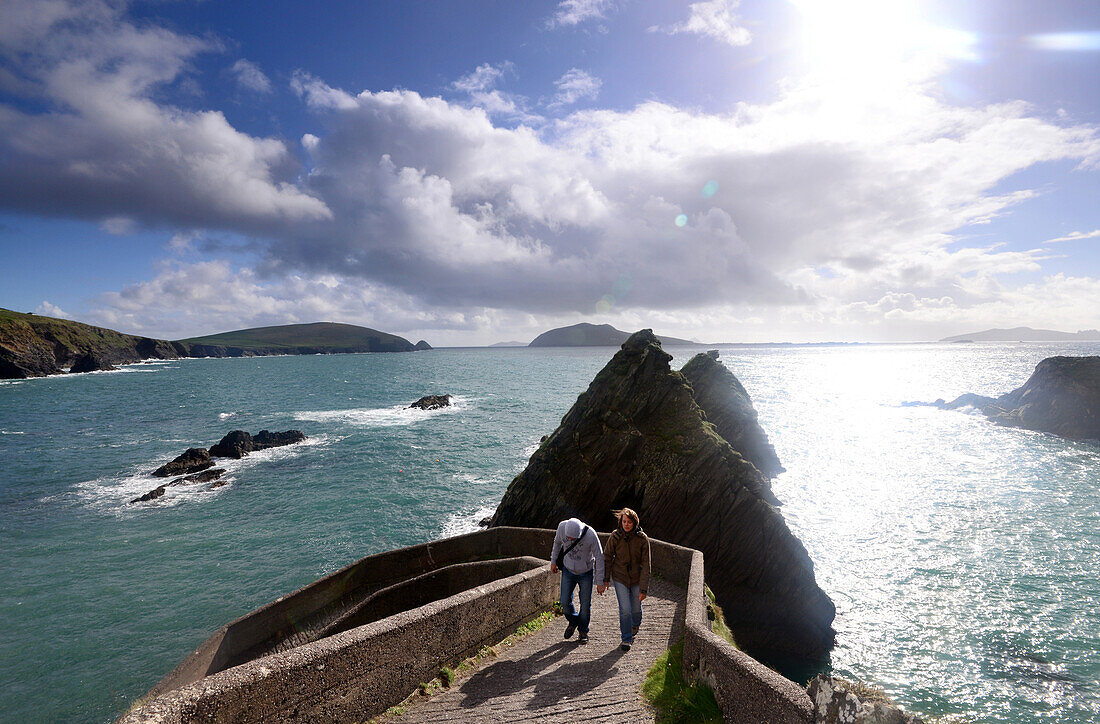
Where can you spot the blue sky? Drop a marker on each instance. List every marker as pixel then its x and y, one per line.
pixel 469 172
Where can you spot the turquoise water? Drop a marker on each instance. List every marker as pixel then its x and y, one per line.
pixel 962 556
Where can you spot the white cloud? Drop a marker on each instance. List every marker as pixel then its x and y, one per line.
pixel 714 19
pixel 1075 236
pixel 118 225
pixel 575 12
pixel 105 146
pixel 52 310
pixel 574 85
pixel 250 77
pixel 480 88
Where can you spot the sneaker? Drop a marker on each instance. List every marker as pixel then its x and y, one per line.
pixel 570 629
pixel 634 631
pixel 624 646
pixel 583 638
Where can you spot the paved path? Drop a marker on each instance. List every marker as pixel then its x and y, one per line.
pixel 546 678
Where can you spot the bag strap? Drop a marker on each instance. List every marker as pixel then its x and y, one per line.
pixel 574 543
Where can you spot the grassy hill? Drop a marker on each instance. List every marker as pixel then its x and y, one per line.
pixel 315 338
pixel 35 346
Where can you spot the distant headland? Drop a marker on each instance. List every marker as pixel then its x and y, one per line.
pixel 32 345
pixel 1026 334
pixel 592 335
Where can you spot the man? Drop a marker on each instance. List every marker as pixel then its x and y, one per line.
pixel 583 558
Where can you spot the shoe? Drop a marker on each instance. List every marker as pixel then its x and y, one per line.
pixel 634 631
pixel 570 629
pixel 624 646
pixel 583 638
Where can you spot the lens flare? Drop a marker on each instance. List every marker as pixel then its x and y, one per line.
pixel 710 188
pixel 682 220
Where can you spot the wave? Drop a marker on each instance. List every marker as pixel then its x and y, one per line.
pixel 12 432
pixel 226 415
pixel 382 416
pixel 464 522
pixel 112 494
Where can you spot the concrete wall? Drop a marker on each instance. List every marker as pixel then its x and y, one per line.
pixel 359 673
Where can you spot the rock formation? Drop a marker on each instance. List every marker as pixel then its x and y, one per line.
pixel 729 409
pixel 1061 397
pixel 638 438
pixel 421 346
pixel 239 443
pixel 432 402
pixel 91 362
pixel 191 461
pixel 840 702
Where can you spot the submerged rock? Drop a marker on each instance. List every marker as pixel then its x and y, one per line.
pixel 191 461
pixel 1062 397
pixel 204 477
pixel 638 438
pixel 151 495
pixel 432 402
pixel 729 407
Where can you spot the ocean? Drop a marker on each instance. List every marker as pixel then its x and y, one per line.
pixel 962 556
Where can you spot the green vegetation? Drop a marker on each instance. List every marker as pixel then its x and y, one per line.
pixel 718 618
pixel 447 676
pixel 292 337
pixel 674 699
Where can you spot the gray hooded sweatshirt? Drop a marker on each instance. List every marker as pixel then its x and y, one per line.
pixel 586 555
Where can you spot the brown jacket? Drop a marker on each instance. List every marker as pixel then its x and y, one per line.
pixel 626 558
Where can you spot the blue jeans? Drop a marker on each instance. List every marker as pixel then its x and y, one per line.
pixel 569 581
pixel 630 609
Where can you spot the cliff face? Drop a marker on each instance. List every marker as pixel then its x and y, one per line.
pixel 1061 397
pixel 729 409
pixel 637 438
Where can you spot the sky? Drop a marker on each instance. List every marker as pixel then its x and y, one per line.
pixel 474 172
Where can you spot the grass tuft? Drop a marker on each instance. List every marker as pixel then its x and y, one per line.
pixel 674 699
pixel 718 618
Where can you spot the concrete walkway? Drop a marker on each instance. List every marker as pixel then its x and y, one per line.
pixel 545 678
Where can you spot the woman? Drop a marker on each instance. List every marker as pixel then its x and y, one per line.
pixel 626 564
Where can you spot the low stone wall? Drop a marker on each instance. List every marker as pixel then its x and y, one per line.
pixel 358 673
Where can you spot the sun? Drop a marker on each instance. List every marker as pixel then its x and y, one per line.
pixel 875 43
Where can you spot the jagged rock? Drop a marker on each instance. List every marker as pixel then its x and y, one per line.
pixel 432 402
pixel 204 477
pixel 235 444
pixel 239 443
pixel 485 522
pixel 151 495
pixel 192 461
pixel 836 702
pixel 637 438
pixel 91 363
pixel 1061 397
pixel 265 439
pixel 730 409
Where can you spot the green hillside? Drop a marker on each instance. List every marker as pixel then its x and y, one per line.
pixel 318 337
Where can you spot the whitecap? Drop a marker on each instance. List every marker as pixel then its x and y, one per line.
pixel 465 522
pixel 382 416
pixel 226 415
pixel 12 432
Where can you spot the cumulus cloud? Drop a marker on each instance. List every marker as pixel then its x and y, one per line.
pixel 575 12
pixel 479 87
pixel 95 142
pixel 714 19
pixel 575 85
pixel 52 310
pixel 250 77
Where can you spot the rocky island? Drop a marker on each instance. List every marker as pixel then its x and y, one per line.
pixel 591 335
pixel 642 436
pixel 1062 397
pixel 35 346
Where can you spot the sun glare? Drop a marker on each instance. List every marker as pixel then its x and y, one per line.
pixel 875 43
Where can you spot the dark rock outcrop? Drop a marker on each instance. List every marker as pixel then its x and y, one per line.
pixel 91 362
pixel 239 443
pixel 638 438
pixel 432 402
pixel 1062 397
pixel 235 444
pixel 730 409
pixel 421 346
pixel 191 461
pixel 151 495
pixel 206 476
pixel 265 439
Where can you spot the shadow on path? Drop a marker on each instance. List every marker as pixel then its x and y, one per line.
pixel 569 682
